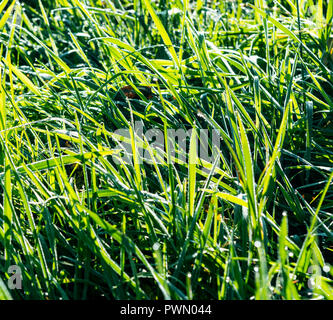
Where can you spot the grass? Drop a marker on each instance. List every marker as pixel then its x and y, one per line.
pixel 82 223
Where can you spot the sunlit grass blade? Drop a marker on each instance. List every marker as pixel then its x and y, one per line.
pixel 162 31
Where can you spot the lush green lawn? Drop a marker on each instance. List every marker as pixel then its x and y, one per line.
pixel 82 222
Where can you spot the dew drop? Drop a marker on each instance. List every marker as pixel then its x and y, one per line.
pixel 326 268
pixel 156 246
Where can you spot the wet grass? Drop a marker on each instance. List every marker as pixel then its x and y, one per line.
pixel 81 222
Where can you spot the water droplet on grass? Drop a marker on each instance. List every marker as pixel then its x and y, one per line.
pixel 156 246
pixel 326 268
pixel 257 244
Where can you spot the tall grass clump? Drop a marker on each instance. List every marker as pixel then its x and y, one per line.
pixel 81 222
